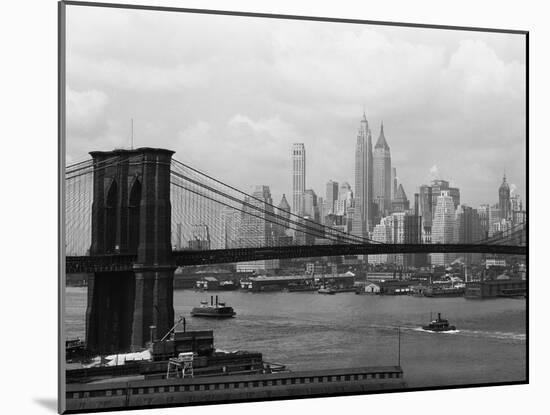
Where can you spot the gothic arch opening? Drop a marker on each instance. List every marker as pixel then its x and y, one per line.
pixel 110 218
pixel 133 217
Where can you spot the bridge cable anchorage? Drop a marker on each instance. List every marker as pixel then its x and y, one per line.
pixel 345 235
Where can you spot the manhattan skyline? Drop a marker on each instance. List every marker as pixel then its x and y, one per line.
pixel 452 102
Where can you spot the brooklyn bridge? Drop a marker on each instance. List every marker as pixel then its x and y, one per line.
pixel 134 216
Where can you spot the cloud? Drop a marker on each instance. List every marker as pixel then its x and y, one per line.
pixel 232 99
pixel 85 110
pixel 144 77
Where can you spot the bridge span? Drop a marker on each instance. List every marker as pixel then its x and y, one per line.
pixel 125 262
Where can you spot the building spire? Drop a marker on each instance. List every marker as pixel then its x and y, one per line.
pixel 381 143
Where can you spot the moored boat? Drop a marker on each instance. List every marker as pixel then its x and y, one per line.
pixel 326 290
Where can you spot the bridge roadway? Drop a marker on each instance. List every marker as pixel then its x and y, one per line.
pixel 125 262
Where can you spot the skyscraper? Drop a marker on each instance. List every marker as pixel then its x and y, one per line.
pixel 393 182
pixel 469 230
pixel 331 195
pixel 255 229
pixel 438 186
pixel 382 184
pixel 504 199
pixel 283 211
pixel 231 225
pixel 298 177
pixel 425 206
pixel 400 203
pixel 444 227
pixel 311 208
pixel 362 220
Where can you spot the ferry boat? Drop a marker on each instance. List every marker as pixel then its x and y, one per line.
pixel 218 310
pixel 439 325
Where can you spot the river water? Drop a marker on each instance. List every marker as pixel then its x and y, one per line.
pixel 314 331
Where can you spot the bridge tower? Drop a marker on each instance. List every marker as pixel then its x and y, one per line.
pixel 131 214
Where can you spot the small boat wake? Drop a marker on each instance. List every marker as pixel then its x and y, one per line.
pixel 501 335
pixel 478 333
pixel 437 332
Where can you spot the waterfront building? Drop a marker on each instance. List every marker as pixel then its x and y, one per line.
pixel 382 185
pixel 362 219
pixel 444 227
pixel 504 199
pixel 298 177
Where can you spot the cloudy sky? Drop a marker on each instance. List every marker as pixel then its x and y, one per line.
pixel 231 94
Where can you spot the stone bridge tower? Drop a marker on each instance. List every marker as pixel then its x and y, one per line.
pixel 131 214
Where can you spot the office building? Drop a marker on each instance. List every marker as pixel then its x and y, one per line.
pixel 444 229
pixel 298 177
pixel 363 213
pixel 382 177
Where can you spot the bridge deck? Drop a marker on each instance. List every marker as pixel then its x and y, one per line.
pixel 125 262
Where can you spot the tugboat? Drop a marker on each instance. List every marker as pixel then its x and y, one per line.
pixel 219 310
pixel 439 325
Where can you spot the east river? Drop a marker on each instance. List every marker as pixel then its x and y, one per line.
pixel 314 331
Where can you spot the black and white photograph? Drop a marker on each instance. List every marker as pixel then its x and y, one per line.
pixel 266 207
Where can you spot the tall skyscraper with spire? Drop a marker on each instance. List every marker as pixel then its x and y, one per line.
pixel 298 177
pixel 362 220
pixel 382 175
pixel 504 199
